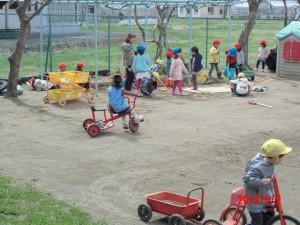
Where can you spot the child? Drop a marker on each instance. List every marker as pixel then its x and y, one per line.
pixel 231 63
pixel 262 55
pixel 79 66
pixel 240 58
pixel 62 67
pixel 241 86
pixel 168 62
pixel 257 179
pixel 148 84
pixel 141 65
pixel 196 65
pixel 158 66
pixel 127 58
pixel 214 58
pixel 40 85
pixel 176 70
pixel 116 101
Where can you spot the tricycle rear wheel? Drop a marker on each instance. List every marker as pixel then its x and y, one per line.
pixel 144 212
pixel 93 130
pixel 176 219
pixel 289 220
pixel 87 123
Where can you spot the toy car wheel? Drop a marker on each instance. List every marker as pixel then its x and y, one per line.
pixel 211 222
pixel 91 99
pixel 93 130
pixel 133 127
pixel 288 220
pixel 87 123
pixel 176 219
pixel 46 99
pixel 200 214
pixel 253 78
pixel 230 212
pixel 144 212
pixel 62 102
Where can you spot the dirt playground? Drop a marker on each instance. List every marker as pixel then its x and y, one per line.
pixel 198 140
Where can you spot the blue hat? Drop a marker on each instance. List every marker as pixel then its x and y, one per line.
pixel 232 52
pixel 140 48
pixel 176 50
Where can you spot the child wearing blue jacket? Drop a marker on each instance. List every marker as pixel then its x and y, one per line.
pixel 196 65
pixel 141 65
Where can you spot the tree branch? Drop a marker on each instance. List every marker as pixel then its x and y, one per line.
pixel 113 8
pixel 47 2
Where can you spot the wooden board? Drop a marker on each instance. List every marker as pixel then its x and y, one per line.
pixel 210 89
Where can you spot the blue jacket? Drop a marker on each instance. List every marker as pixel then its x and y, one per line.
pixel 141 63
pixel 198 62
pixel 116 99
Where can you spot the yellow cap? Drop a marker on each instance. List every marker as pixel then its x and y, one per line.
pixel 159 61
pixel 240 75
pixel 275 147
pixel 156 74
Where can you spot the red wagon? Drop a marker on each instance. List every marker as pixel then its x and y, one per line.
pixel 178 207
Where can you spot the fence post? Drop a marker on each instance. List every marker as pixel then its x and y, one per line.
pixel 206 44
pixel 109 43
pixel 190 44
pixel 87 36
pixel 96 46
pixel 41 45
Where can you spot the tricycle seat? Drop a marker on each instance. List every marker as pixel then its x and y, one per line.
pixel 94 109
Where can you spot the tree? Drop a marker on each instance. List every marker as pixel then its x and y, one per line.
pixel 253 8
pixel 16 57
pixel 285 13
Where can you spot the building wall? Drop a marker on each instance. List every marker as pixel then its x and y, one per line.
pixel 203 12
pixel 284 67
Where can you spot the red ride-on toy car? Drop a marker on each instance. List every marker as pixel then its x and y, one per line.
pixel 234 213
pixel 94 127
pixel 179 208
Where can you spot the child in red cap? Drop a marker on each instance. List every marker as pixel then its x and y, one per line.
pixel 79 66
pixel 62 67
pixel 262 55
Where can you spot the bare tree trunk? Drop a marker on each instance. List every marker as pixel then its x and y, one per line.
pixel 285 13
pixel 243 39
pixel 16 57
pixel 138 24
pixel 225 11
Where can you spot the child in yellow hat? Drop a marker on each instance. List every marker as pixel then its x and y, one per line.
pixel 258 180
pixel 149 85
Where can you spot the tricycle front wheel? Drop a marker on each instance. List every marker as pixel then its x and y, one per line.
pixel 176 219
pixel 230 212
pixel 93 130
pixel 133 126
pixel 289 220
pixel 211 222
pixel 145 212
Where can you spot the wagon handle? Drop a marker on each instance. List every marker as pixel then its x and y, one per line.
pixel 188 198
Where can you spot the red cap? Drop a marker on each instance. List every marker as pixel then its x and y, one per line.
pixel 169 54
pixel 263 42
pixel 62 65
pixel 216 42
pixel 79 64
pixel 237 45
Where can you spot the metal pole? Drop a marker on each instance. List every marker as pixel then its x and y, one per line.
pixel 206 44
pixel 50 43
pixel 129 18
pixel 109 43
pixel 87 36
pixel 167 32
pixel 96 46
pixel 229 38
pixel 146 24
pixel 190 44
pixel 41 45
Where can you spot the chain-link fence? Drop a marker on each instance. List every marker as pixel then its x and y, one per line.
pixel 71 38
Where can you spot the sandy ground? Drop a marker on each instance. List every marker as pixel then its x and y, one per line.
pixel 185 142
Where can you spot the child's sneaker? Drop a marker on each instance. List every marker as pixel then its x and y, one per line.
pixel 182 94
pixel 255 69
pixel 173 93
pixel 262 71
pixel 125 125
pixel 140 118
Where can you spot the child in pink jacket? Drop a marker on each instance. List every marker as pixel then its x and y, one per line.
pixel 176 70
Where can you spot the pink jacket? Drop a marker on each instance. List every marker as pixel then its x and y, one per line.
pixel 177 68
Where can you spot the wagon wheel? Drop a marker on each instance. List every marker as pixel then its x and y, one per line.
pixel 145 212
pixel 87 123
pixel 230 212
pixel 176 219
pixel 46 99
pixel 62 102
pixel 198 216
pixel 211 222
pixel 133 126
pixel 93 130
pixel 91 99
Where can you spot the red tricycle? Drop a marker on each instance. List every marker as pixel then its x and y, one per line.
pixel 178 207
pixel 234 213
pixel 94 126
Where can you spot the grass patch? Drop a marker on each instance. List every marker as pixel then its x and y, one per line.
pixel 178 33
pixel 22 204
